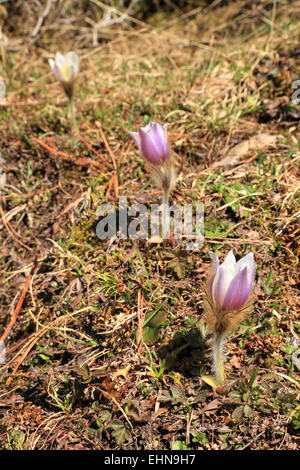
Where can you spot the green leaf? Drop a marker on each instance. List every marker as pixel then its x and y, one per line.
pixel 104 417
pixel 248 411
pixel 174 395
pixel 29 168
pixel 238 413
pixel 152 323
pixel 150 335
pixel 158 319
pixel 211 380
pixel 120 432
pixel 44 356
pixel 268 282
pixel 178 267
pixel 253 377
pixel 179 445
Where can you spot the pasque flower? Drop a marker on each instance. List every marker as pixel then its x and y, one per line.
pixel 231 282
pixel 227 300
pixel 152 142
pixel 66 69
pixel 153 145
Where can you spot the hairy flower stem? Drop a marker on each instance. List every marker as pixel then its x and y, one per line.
pixel 165 214
pixel 72 115
pixel 218 357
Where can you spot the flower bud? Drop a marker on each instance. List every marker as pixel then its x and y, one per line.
pixel 228 292
pixel 227 300
pixel 65 68
pixel 231 283
pixel 152 142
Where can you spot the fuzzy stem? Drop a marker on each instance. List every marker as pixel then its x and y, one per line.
pixel 165 214
pixel 218 357
pixel 72 114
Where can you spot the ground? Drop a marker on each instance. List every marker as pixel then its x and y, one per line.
pixel 78 374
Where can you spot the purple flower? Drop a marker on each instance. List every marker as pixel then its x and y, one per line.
pixel 152 142
pixel 231 282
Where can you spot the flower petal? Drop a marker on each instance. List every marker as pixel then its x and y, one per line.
pixel 59 60
pixel 159 136
pixel 136 138
pixel 230 261
pixel 148 128
pixel 73 60
pixel 58 73
pixel 248 261
pixel 149 148
pixel 72 72
pixel 214 270
pixel 51 63
pixel 218 287
pixel 152 142
pixel 238 291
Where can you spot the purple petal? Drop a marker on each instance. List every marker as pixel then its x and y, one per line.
pixel 218 292
pixel 136 138
pixel 152 142
pixel 58 73
pixel 160 139
pixel 238 291
pixel 230 262
pixel 72 58
pixel 252 276
pixel 214 271
pixel 248 261
pixel 148 128
pixel 149 148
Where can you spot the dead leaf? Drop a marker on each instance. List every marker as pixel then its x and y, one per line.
pixel 235 362
pixel 175 395
pixel 134 411
pixel 252 145
pixel 212 405
pixel 121 372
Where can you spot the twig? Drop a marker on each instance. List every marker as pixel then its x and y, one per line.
pixel 254 439
pixel 114 176
pixel 33 193
pixel 107 146
pixel 42 18
pixel 12 231
pixel 19 304
pixel 91 148
pixel 140 322
pixel 34 339
pixel 78 161
pixel 116 185
pixel 238 199
pixel 108 395
pixel 118 325
pixel 188 427
pixel 109 187
pixel 107 19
